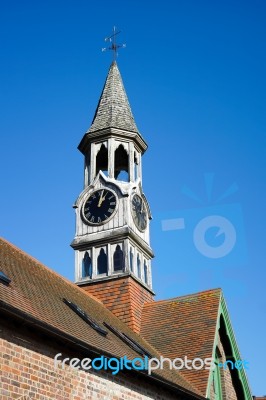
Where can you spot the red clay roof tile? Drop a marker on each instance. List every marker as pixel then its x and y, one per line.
pixel 184 326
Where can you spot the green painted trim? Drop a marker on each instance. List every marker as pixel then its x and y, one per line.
pixel 236 354
pixel 214 346
pixel 217 379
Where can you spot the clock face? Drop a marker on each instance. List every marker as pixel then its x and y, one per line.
pixel 100 206
pixel 139 212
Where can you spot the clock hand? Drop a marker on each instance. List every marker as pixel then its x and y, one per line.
pixel 101 199
pixel 104 197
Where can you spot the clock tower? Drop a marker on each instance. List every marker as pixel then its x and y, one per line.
pixel 112 240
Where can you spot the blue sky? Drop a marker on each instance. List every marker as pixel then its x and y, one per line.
pixel 194 72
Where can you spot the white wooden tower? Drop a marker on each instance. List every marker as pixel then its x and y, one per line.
pixel 112 214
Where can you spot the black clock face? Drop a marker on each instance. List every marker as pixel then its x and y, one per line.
pixel 139 212
pixel 100 206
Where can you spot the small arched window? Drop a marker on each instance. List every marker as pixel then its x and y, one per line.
pixel 118 259
pixel 102 160
pixel 135 167
pixel 86 266
pixel 138 267
pixel 145 272
pixel 102 262
pixel 121 164
pixel 131 260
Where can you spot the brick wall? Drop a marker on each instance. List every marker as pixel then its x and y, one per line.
pixel 228 390
pixel 27 372
pixel 124 297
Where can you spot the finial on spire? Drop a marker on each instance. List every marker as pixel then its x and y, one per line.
pixel 114 46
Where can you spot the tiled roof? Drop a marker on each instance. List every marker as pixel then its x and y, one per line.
pixel 37 293
pixel 184 326
pixel 113 110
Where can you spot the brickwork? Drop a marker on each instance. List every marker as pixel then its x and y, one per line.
pixel 228 391
pixel 27 372
pixel 124 297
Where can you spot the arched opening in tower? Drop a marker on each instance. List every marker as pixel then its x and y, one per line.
pixel 136 167
pixel 118 259
pixel 86 266
pixel 121 164
pixel 102 160
pixel 102 264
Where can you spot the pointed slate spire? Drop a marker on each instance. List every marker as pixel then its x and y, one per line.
pixel 113 110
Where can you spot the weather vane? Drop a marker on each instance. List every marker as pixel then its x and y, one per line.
pixel 114 46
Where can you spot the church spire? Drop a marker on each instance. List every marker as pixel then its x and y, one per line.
pixel 113 110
